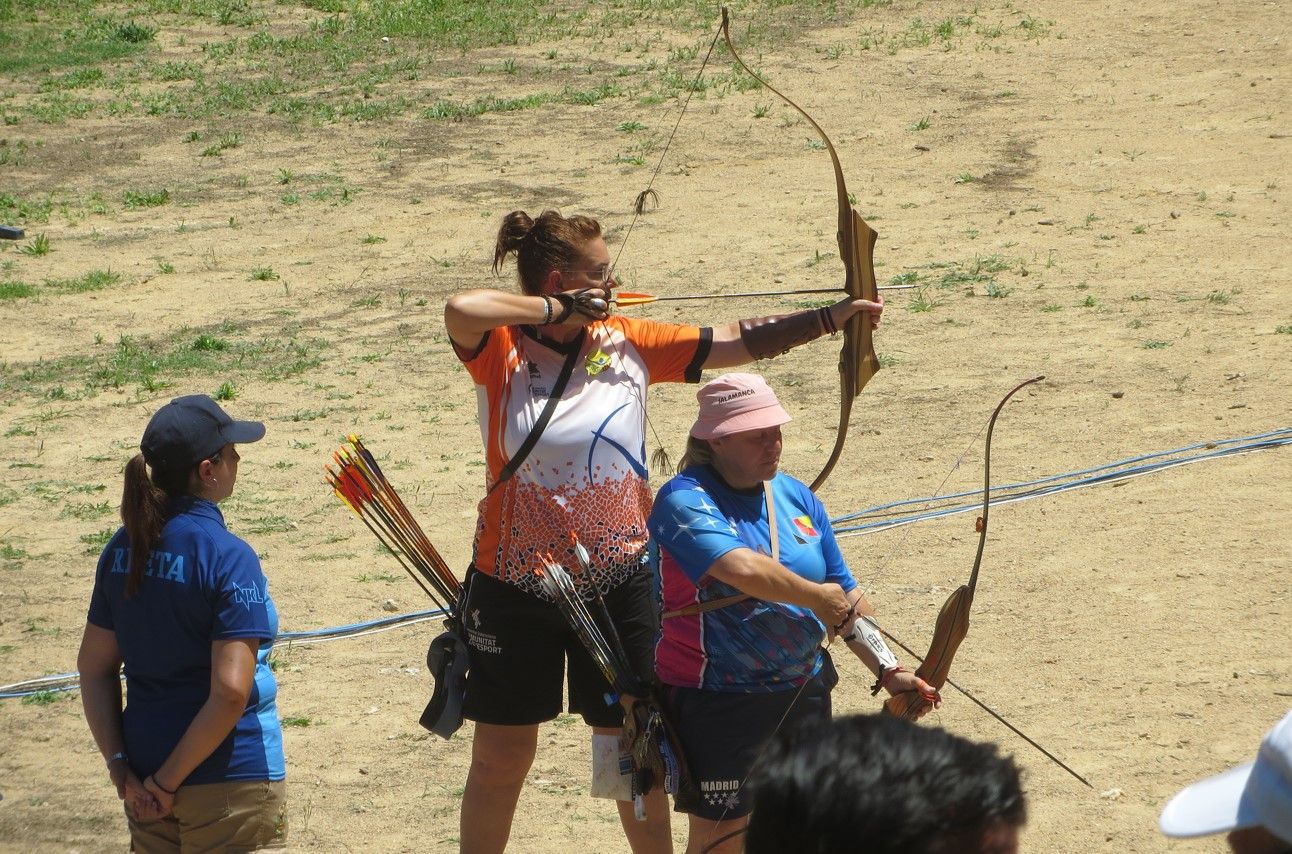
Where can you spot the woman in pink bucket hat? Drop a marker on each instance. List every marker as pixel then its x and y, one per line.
pixel 753 582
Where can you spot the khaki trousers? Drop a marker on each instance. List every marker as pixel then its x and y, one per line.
pixel 241 816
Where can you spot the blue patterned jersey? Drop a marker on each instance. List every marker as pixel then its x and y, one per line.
pixel 751 645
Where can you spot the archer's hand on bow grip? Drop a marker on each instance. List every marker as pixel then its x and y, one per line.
pixel 912 698
pixel 873 309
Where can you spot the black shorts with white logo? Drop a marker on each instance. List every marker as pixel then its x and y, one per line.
pixel 723 734
pixel 519 646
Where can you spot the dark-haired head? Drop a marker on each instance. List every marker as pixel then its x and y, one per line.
pixel 184 442
pixel 881 784
pixel 551 242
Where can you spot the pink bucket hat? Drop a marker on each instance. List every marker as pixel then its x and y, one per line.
pixel 734 403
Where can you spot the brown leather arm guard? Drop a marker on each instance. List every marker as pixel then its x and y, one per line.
pixel 767 337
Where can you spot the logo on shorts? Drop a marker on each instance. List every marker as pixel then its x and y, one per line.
pixel 483 642
pixel 724 793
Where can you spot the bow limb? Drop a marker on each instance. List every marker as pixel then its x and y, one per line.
pixel 857 360
pixel 953 620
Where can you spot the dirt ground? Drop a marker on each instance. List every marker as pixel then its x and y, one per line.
pixel 1094 193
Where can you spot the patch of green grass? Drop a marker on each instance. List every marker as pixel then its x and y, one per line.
pixel 156 363
pixel 39 246
pixel 40 698
pixel 78 79
pixel 13 154
pixel 65 36
pixel 226 391
pixel 457 111
pixel 226 141
pixel 1155 345
pixel 146 198
pixel 13 289
pixel 969 274
pixel 210 343
pixel 85 511
pixel 8 551
pixel 15 209
pixel 296 721
pixel 389 578
pixel 262 274
pixel 921 301
pixel 94 280
pixel 1283 330
pixel 95 542
pixel 270 525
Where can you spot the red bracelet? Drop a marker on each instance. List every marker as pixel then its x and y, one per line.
pixel 882 682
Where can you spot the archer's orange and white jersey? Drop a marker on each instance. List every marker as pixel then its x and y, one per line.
pixel 587 473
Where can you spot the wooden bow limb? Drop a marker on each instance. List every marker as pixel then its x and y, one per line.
pixel 627 298
pixel 953 620
pixel 857 360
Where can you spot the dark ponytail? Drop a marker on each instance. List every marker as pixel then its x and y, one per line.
pixel 143 512
pixel 552 242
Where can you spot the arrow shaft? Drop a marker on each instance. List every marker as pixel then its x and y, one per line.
pixel 989 710
pixel 639 299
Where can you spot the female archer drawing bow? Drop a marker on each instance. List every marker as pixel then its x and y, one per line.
pixel 584 470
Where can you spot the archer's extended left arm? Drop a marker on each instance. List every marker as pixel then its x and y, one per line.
pixel 867 642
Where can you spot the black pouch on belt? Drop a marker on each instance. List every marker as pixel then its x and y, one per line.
pixel 448 660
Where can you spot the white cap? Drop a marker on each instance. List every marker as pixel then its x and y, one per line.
pixel 1256 793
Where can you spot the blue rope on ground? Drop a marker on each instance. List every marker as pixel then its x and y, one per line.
pixel 969 501
pixel 961 502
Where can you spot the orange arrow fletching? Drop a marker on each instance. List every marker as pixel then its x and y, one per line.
pixel 626 298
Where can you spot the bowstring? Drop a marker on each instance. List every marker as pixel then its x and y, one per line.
pixel 660 457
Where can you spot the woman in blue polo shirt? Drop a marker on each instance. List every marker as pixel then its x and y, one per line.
pixel 197 753
pixel 752 583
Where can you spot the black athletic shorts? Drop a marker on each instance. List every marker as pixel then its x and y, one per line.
pixel 723 734
pixel 519 646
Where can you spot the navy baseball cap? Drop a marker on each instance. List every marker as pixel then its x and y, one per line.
pixel 190 429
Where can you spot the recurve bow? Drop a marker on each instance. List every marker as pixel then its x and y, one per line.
pixel 953 620
pixel 857 360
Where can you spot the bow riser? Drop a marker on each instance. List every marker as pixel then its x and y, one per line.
pixel 951 628
pixel 858 251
